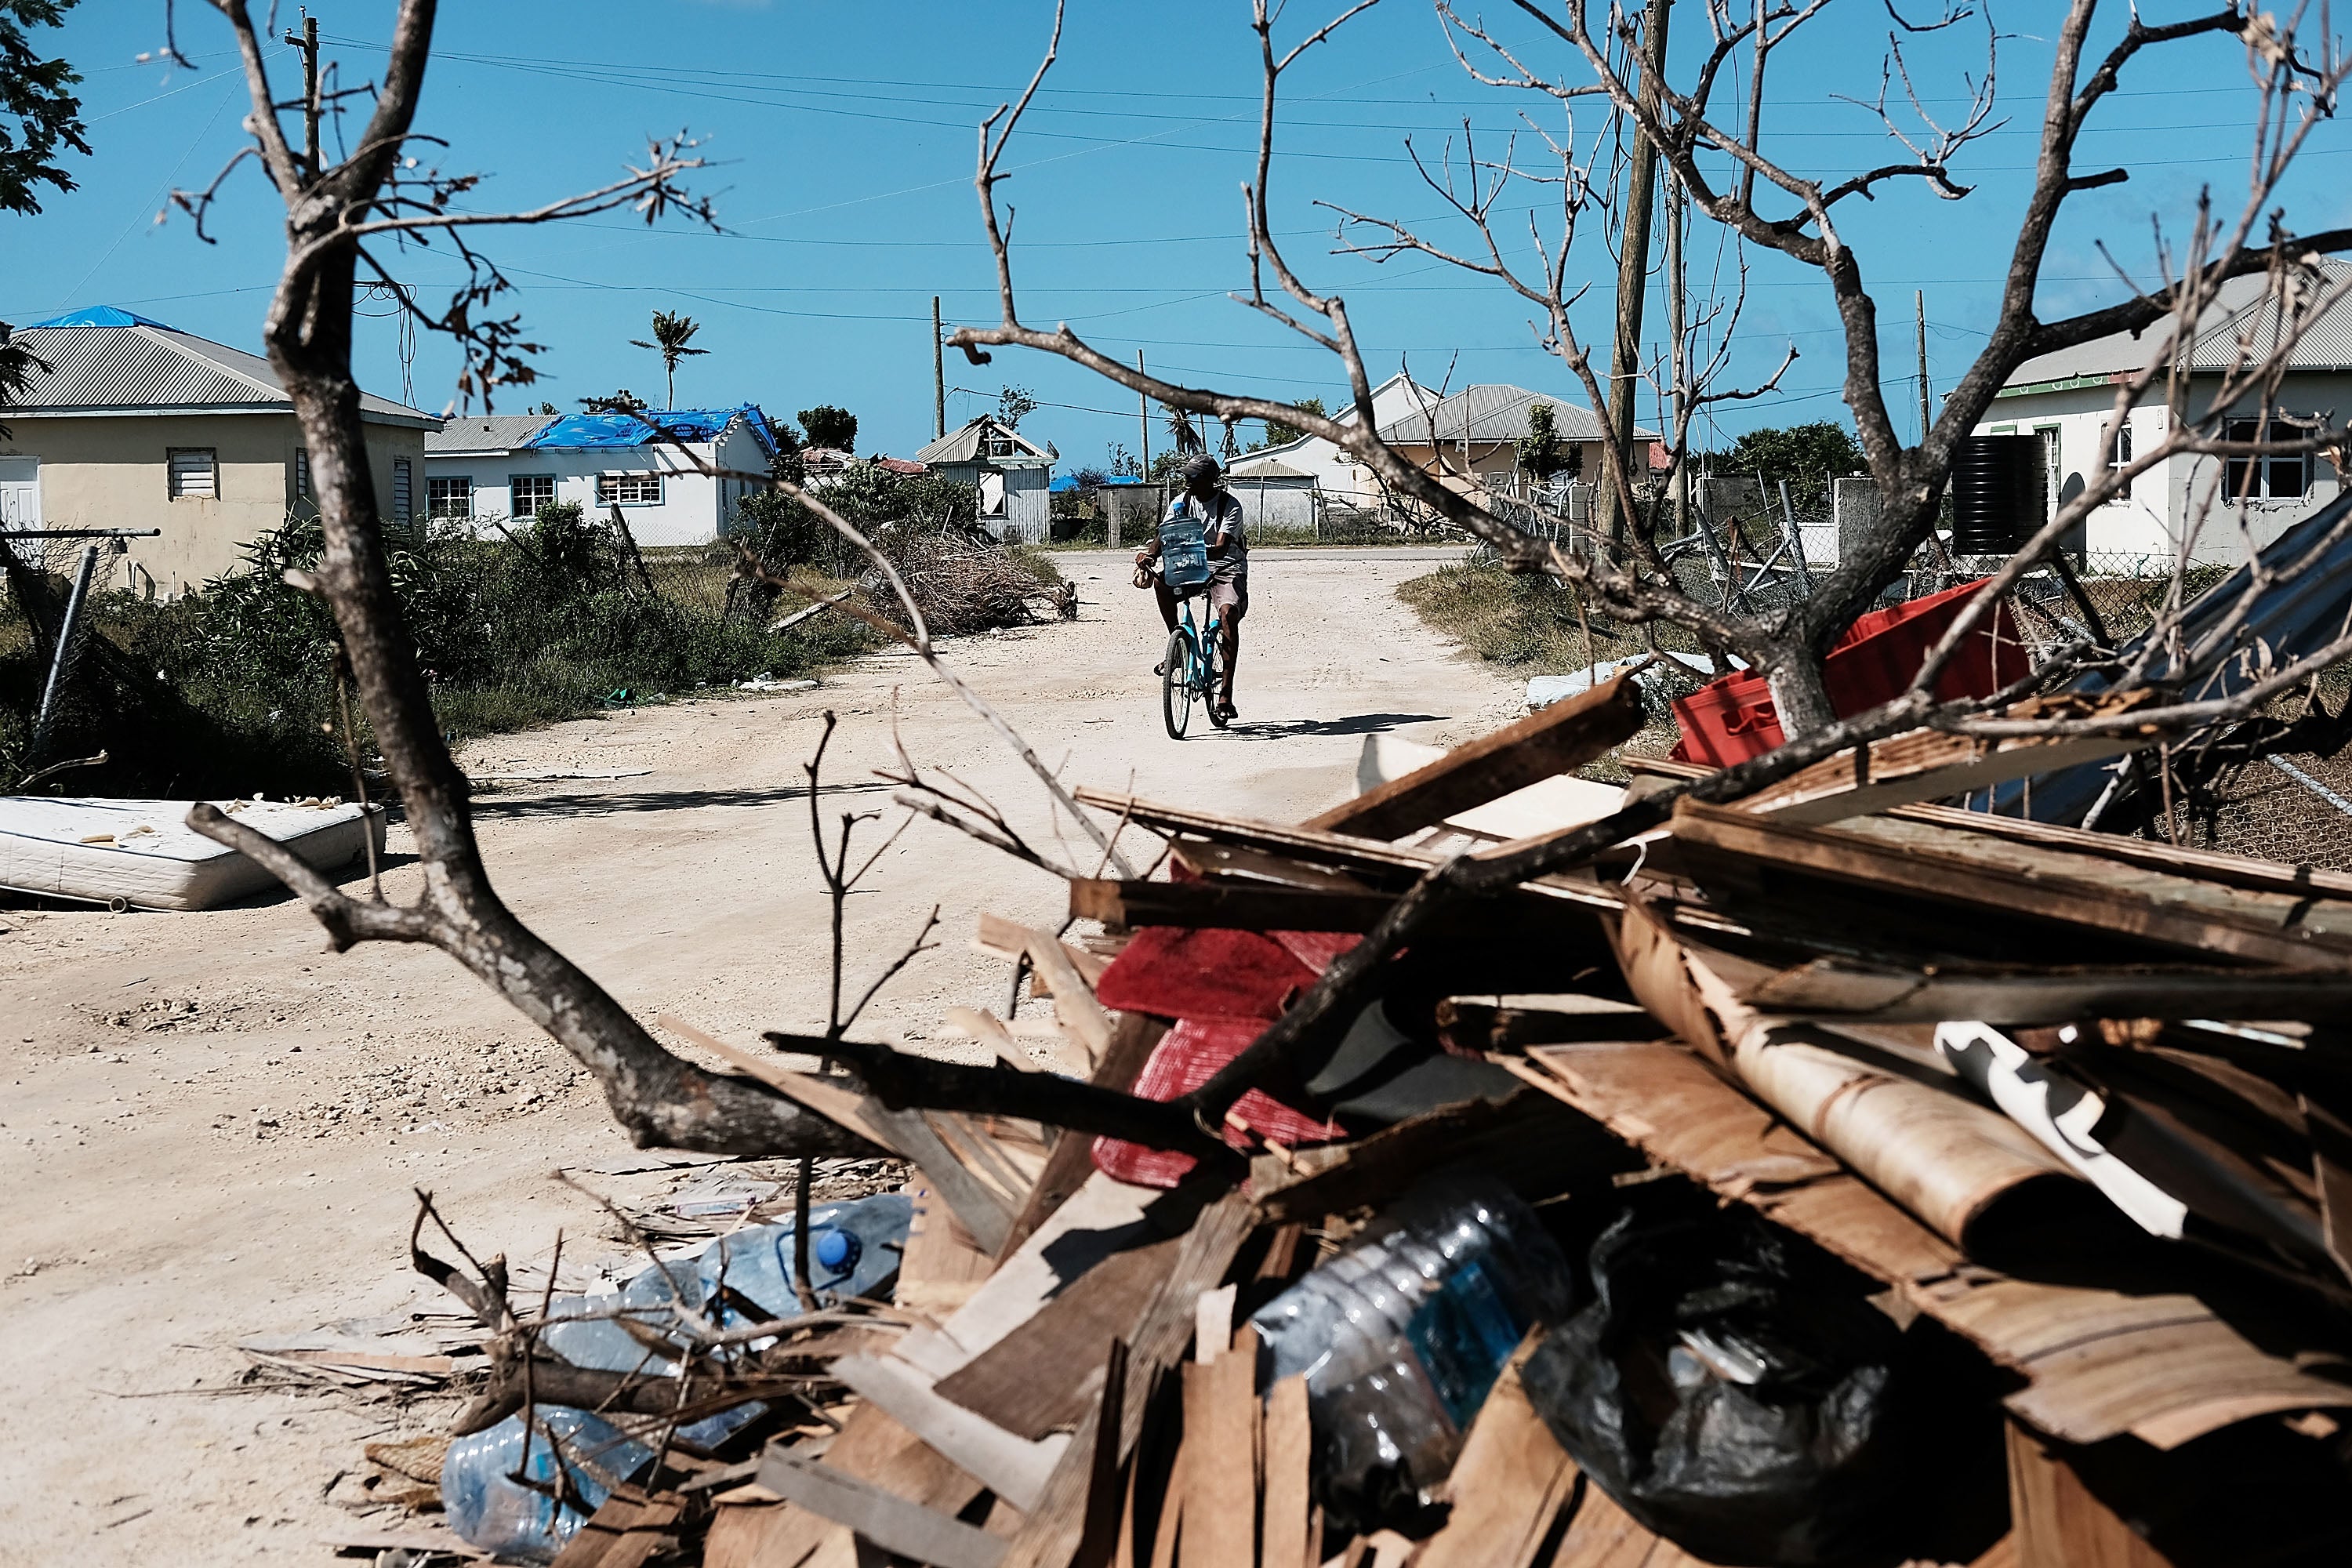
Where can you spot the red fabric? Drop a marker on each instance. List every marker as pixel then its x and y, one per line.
pixel 1316 948
pixel 1171 972
pixel 1731 718
pixel 1187 1056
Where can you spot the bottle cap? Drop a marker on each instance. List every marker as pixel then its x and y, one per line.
pixel 837 1250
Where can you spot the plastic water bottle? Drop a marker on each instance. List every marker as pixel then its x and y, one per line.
pixel 1402 1334
pixel 486 1506
pixel 745 1278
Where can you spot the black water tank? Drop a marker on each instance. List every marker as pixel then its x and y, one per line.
pixel 1998 494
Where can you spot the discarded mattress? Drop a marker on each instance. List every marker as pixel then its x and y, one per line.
pixel 143 853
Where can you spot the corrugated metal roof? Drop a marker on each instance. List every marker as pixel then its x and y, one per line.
pixel 1494 412
pixel 599 432
pixel 2242 307
pixel 489 433
pixel 967 444
pixel 141 366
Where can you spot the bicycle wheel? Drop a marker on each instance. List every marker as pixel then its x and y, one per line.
pixel 1213 677
pixel 1176 680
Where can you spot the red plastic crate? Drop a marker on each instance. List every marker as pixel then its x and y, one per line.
pixel 1731 718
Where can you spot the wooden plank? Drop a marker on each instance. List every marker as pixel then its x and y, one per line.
pixel 1289 1456
pixel 978 1206
pixel 1058 967
pixel 2212 866
pixel 2057 1522
pixel 1011 939
pixel 884 1518
pixel 1038 1378
pixel 1224 904
pixel 989 1029
pixel 1014 1467
pixel 1509 1484
pixel 1553 741
pixel 626 1529
pixel 1923 764
pixel 1846 991
pixel 1071 1161
pixel 1054 1527
pixel 1918 872
pixel 1220 1463
pixel 943 1265
pixel 870 1447
pixel 1212 1323
pixel 1342 851
pixel 1238 863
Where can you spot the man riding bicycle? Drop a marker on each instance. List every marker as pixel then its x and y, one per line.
pixel 1204 501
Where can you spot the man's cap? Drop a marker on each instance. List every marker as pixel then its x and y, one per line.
pixel 1200 469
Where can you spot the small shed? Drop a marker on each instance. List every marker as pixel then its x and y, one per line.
pixel 1276 496
pixel 1010 470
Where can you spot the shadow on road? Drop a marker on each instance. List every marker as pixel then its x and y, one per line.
pixel 582 804
pixel 1354 724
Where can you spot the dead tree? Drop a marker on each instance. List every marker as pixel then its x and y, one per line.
pixel 336 209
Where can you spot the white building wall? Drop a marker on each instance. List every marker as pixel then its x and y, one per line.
pixel 696 507
pixel 2143 532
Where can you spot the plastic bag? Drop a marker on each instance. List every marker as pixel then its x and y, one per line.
pixel 1731 1388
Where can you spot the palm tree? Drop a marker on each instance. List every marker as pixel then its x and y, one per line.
pixel 671 334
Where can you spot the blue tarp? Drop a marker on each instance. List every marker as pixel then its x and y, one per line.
pixel 104 316
pixel 1068 485
pixel 590 432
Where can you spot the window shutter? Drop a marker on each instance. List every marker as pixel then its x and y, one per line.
pixel 403 503
pixel 193 475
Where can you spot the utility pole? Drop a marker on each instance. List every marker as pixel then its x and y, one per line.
pixel 939 375
pixel 1143 417
pixel 1919 300
pixel 1679 359
pixel 1634 261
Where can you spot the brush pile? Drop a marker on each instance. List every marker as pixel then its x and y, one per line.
pixel 964 582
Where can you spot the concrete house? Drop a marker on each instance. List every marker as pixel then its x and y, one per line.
pixel 2068 398
pixel 1011 472
pixel 1478 430
pixel 1336 476
pixel 136 424
pixel 509 467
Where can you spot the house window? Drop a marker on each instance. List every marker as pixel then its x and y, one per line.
pixel 531 492
pixel 2265 478
pixel 450 498
pixel 2121 460
pixel 404 493
pixel 301 474
pixel 628 489
pixel 196 474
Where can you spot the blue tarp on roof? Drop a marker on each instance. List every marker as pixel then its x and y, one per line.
pixel 104 316
pixel 590 432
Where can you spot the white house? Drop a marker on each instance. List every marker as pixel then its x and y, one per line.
pixel 1014 474
pixel 2067 399
pixel 1333 471
pixel 510 466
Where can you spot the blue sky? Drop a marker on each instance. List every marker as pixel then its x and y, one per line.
pixel 842 139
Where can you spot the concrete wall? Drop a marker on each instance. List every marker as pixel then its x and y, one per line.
pixel 1275 503
pixel 111 472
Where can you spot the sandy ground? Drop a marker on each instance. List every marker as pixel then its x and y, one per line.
pixel 212 1127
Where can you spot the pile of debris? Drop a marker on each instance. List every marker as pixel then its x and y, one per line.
pixel 965 582
pixel 1837 1178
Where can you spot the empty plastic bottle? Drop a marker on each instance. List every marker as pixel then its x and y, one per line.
pixel 1402 1334
pixel 745 1278
pixel 492 1510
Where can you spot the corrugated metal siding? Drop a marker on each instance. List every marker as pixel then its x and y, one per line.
pixel 143 368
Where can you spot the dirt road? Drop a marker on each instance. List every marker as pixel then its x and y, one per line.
pixel 212 1128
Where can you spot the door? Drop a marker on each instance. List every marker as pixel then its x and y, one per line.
pixel 20 492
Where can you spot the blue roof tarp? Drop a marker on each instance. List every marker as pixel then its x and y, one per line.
pixel 1068 485
pixel 104 316
pixel 591 432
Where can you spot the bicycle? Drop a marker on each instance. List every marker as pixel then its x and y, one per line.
pixel 1194 667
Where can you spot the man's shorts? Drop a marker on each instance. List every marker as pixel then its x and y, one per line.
pixel 1229 595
